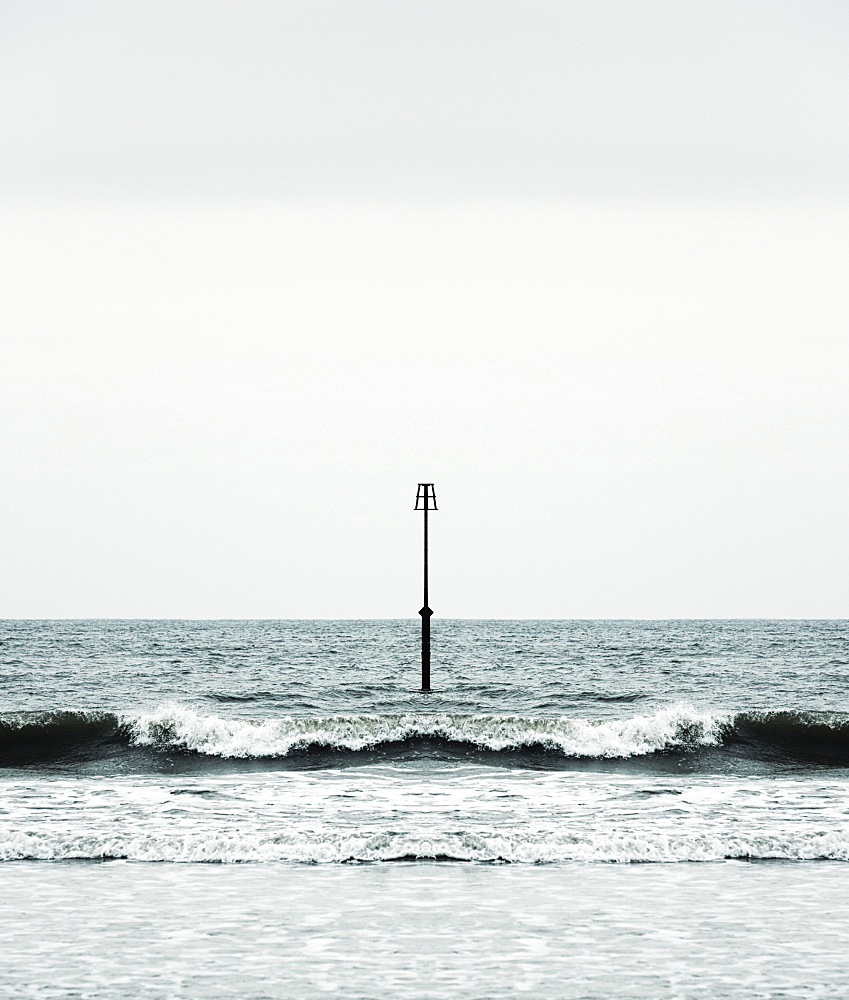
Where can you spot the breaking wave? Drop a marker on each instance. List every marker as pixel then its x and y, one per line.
pixel 178 727
pixel 66 737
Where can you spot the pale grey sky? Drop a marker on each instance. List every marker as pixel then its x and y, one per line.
pixel 441 98
pixel 267 265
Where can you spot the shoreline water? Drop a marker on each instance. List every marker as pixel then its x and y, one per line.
pixel 563 932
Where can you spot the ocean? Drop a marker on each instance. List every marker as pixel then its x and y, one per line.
pixel 273 809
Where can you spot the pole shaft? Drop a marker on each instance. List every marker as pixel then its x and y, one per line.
pixel 425 652
pixel 426 613
pixel 425 605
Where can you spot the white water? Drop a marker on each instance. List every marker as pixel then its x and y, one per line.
pixel 466 812
pixel 180 727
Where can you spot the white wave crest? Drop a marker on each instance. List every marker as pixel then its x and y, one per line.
pixel 176 726
pixel 330 848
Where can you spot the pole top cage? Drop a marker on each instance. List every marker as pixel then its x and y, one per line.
pixel 426 497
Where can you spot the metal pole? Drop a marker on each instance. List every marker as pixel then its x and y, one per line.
pixel 425 613
pixel 424 495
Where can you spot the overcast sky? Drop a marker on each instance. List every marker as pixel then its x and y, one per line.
pixel 266 265
pixel 275 98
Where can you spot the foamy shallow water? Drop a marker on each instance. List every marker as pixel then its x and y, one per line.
pixel 424 809
pixel 726 930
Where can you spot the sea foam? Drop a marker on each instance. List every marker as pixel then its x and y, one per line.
pixel 678 726
pixel 334 848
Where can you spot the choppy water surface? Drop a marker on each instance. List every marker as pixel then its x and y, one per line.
pixel 259 669
pixel 475 825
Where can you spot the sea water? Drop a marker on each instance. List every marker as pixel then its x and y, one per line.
pixel 254 809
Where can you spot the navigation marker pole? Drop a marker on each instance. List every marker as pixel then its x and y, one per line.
pixel 425 500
